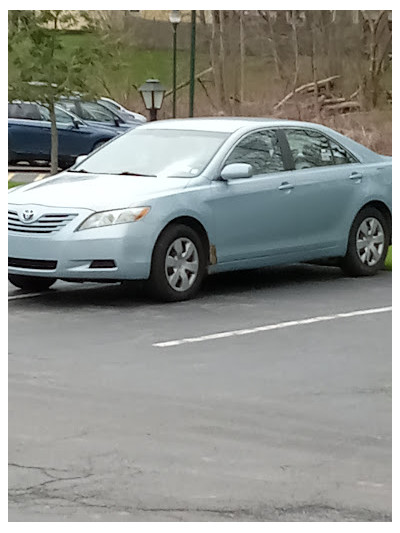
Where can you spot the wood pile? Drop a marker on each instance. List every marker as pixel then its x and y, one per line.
pixel 322 93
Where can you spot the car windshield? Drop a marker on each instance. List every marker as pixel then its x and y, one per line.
pixel 110 105
pixel 155 152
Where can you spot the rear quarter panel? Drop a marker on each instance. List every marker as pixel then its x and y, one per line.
pixel 376 186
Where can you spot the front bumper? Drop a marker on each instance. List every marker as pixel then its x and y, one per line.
pixel 69 253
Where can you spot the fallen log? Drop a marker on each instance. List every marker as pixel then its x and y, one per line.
pixel 353 95
pixel 344 106
pixel 185 83
pixel 331 101
pixel 305 87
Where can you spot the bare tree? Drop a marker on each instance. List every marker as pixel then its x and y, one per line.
pixel 242 56
pixel 216 55
pixel 312 21
pixel 221 54
pixel 379 37
pixel 272 38
pixel 292 18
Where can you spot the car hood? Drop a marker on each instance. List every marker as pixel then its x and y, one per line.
pixel 94 191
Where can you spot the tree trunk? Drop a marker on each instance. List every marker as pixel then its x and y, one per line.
pixel 232 58
pixel 222 57
pixel 54 141
pixel 371 83
pixel 274 45
pixel 242 56
pixel 295 39
pixel 215 62
pixel 313 63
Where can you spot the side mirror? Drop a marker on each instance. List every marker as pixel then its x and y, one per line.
pixel 80 159
pixel 76 123
pixel 236 171
pixel 117 121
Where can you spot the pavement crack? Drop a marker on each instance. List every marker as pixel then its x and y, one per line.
pixel 26 490
pixel 44 469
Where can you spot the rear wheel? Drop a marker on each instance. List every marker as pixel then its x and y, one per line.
pixel 178 264
pixel 31 283
pixel 368 243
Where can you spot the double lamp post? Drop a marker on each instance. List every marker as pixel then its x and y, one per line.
pixel 153 92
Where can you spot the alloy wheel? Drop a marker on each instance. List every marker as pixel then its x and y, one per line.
pixel 370 241
pixel 181 264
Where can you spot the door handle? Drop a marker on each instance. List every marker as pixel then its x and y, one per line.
pixel 356 176
pixel 285 186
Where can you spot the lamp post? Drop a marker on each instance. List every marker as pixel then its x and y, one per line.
pixel 174 18
pixel 153 94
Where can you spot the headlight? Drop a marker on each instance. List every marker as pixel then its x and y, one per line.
pixel 117 216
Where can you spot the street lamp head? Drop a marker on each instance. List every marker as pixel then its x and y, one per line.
pixel 152 92
pixel 175 17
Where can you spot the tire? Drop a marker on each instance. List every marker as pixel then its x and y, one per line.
pixel 171 283
pixel 12 159
pixel 98 145
pixel 368 243
pixel 31 283
pixel 64 165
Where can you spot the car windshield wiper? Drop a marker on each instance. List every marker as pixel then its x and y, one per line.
pixel 127 173
pixel 82 170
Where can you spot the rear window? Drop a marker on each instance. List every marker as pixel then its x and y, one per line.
pixel 24 111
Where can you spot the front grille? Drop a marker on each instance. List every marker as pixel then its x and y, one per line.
pixel 35 264
pixel 48 223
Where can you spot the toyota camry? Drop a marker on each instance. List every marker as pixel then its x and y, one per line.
pixel 174 200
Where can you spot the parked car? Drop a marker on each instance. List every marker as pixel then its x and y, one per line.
pixel 29 134
pixel 95 113
pixel 115 106
pixel 222 194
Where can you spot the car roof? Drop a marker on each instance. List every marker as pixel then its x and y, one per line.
pixel 222 124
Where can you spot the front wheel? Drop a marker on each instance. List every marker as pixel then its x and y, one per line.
pixel 178 264
pixel 31 283
pixel 368 243
pixel 98 145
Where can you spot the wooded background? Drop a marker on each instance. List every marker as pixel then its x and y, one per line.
pixel 327 66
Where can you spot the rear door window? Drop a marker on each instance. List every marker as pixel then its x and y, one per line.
pixel 340 155
pixel 309 148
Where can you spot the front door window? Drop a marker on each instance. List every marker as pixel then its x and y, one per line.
pixel 261 150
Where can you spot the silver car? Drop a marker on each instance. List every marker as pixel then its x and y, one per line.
pixel 174 200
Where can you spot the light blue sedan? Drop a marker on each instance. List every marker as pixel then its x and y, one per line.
pixel 174 200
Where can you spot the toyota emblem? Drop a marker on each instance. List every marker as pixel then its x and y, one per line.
pixel 27 215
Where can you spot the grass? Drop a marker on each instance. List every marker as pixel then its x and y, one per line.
pixel 12 184
pixel 136 65
pixel 388 262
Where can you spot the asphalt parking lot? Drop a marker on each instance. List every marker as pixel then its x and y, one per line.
pixel 110 421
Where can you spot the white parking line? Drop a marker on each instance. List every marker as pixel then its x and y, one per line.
pixel 40 177
pixel 29 295
pixel 270 327
pixel 44 293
